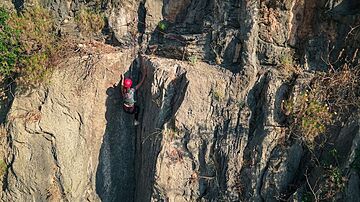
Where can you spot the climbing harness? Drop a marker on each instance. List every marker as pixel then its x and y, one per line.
pixel 129 97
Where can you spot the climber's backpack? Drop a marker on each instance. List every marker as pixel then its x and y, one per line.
pixel 129 97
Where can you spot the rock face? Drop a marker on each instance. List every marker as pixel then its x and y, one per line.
pixel 63 135
pixel 211 127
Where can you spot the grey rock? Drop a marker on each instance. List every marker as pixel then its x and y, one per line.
pixel 60 135
pixel 211 129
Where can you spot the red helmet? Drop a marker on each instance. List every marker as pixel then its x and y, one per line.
pixel 127 83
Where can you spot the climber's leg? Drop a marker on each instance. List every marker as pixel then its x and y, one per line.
pixel 136 113
pixel 129 110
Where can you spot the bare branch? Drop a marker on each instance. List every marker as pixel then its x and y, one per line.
pixel 311 189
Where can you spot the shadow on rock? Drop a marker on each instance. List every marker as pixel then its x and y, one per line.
pixel 115 176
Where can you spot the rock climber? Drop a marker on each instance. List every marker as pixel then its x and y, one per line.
pixel 128 93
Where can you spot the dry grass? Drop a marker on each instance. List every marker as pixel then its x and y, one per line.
pixel 32 116
pixel 90 22
pixel 309 115
pixel 217 92
pixel 288 66
pixel 33 29
pixel 171 133
pixel 36 27
pixel 328 98
pixel 341 89
pixel 193 60
pixel 334 182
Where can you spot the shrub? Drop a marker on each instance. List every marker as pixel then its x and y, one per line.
pixel 171 133
pixel 341 89
pixel 9 45
pixel 90 21
pixel 162 26
pixel 35 69
pixel 332 93
pixel 193 59
pixel 309 116
pixel 286 60
pixel 217 95
pixel 334 182
pixel 35 25
pixel 27 41
pixel 288 66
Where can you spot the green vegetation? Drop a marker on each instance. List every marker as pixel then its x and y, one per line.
pixel 241 104
pixel 90 21
pixel 334 182
pixel 286 60
pixel 162 26
pixel 329 183
pixel 307 197
pixel 193 59
pixel 9 45
pixel 171 133
pixel 26 42
pixel 330 94
pixel 309 116
pixel 217 95
pixel 288 66
pixel 328 99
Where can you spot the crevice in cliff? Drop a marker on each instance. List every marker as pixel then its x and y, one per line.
pixel 283 94
pixel 261 181
pixel 256 103
pixel 6 99
pixel 141 27
pixel 160 100
pixel 185 142
pixel 58 177
pixel 10 159
pixel 256 100
pixel 180 85
pixel 263 173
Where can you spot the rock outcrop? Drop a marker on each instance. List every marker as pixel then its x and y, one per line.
pixel 60 133
pixel 212 121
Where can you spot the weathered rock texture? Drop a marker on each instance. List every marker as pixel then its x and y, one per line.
pixel 219 136
pixel 62 136
pixel 212 125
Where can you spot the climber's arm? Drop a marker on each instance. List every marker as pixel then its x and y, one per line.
pixel 143 73
pixel 121 85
